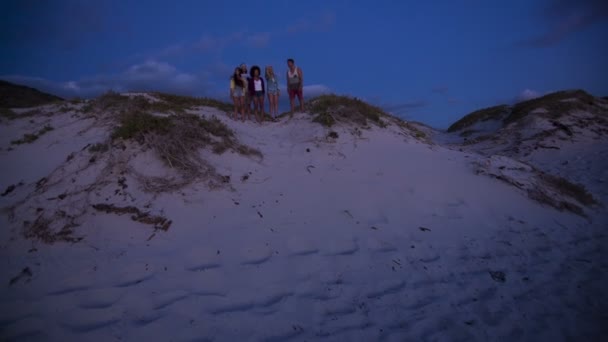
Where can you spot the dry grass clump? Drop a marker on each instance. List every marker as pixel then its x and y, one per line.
pixel 190 102
pixel 176 140
pixel 31 137
pixel 167 103
pixel 329 109
pixel 159 222
pixel 41 229
pixel 484 114
pixel 567 188
pixel 556 104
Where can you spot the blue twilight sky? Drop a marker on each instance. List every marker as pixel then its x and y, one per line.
pixel 430 61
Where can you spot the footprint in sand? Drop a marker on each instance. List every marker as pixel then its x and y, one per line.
pixel 73 284
pixel 28 329
pixel 200 259
pixel 256 256
pixel 300 246
pixel 387 288
pixel 13 312
pixel 81 321
pixel 379 246
pixel 258 305
pixel 134 274
pixel 346 246
pixel 99 298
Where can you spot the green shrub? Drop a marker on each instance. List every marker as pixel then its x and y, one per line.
pixel 134 125
pixel 344 108
pixel 324 119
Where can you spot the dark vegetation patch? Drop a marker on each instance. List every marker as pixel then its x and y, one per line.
pixel 567 188
pixel 179 135
pixel 328 109
pixel 41 230
pixel 18 96
pixel 485 114
pixel 468 133
pixel 167 103
pixel 556 104
pixel 7 113
pixel 99 148
pixel 31 137
pixel 157 221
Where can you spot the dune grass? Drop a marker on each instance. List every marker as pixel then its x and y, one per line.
pixel 485 114
pixel 328 109
pixel 556 104
pixel 567 188
pixel 31 137
pixel 167 103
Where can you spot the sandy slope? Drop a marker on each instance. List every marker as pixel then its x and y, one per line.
pixel 378 237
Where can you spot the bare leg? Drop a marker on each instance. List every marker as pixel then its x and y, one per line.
pixel 256 103
pixel 262 108
pixel 235 100
pixel 291 102
pixel 242 107
pixel 301 99
pixel 276 104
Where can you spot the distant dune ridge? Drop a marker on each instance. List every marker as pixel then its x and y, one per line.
pixel 152 216
pixel 19 96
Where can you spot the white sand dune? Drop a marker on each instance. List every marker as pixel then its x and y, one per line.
pixel 378 237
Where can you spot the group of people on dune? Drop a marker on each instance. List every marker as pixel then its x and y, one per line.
pixel 249 88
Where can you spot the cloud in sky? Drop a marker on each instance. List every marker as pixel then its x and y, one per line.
pixel 322 22
pixel 405 107
pixel 150 75
pixel 444 92
pixel 527 94
pixel 209 43
pixel 565 17
pixel 259 40
pixel 441 90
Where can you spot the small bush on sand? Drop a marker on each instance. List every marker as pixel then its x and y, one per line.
pixel 331 108
pixel 29 138
pixel 7 113
pixel 135 125
pixel 485 114
pixel 324 119
pixel 99 148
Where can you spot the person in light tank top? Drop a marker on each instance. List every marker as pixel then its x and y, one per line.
pixel 295 84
